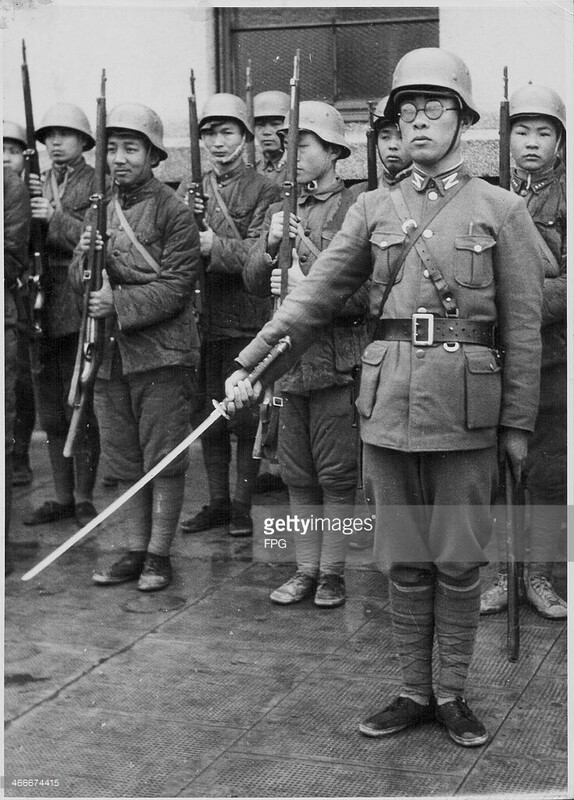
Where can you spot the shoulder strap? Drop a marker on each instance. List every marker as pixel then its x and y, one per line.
pixel 402 209
pixel 309 244
pixel 132 237
pixel 57 190
pixel 223 207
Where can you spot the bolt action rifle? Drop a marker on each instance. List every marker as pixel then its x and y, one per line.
pixel 33 288
pixel 249 103
pixel 92 331
pixel 266 439
pixel 372 178
pixel 195 188
pixel 504 134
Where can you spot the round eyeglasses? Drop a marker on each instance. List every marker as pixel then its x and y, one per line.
pixel 433 109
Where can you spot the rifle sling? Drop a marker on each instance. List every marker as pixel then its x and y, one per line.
pixel 222 205
pixel 414 240
pixel 58 189
pixel 132 237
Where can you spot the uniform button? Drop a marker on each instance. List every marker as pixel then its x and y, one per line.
pixel 303 259
pixel 477 248
pixel 307 232
pixel 426 273
pixel 427 234
pixel 116 253
pixel 420 353
pixel 383 244
pixel 433 195
pixel 421 310
pixel 217 208
pixel 120 227
pixel 524 193
pixel 551 222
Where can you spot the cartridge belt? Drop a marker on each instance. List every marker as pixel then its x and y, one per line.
pixel 424 330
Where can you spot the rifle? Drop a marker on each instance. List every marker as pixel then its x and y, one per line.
pixel 372 178
pixel 195 188
pixel 35 289
pixel 92 331
pixel 504 136
pixel 249 103
pixel 266 439
pixel 512 497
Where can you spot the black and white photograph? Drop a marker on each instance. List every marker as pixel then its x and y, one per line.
pixel 285 494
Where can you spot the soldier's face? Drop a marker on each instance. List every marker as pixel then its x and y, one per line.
pixel 533 143
pixel 223 140
pixel 314 158
pixel 129 159
pixel 427 141
pixel 392 150
pixel 14 156
pixel 64 145
pixel 266 133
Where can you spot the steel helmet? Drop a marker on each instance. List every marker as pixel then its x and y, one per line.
pixel 537 101
pixel 14 131
pixel 271 104
pixel 66 115
pixel 380 116
pixel 324 121
pixel 432 68
pixel 226 106
pixel 141 119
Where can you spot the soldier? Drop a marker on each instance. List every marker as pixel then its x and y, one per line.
pixel 16 231
pixel 396 161
pixel 14 141
pixel 538 133
pixel 142 395
pixel 451 257
pixel 317 440
pixel 61 200
pixel 235 202
pixel 269 110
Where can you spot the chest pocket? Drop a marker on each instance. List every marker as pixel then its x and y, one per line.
pixel 385 250
pixel 473 261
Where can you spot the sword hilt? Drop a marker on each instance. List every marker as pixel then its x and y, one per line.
pixel 281 347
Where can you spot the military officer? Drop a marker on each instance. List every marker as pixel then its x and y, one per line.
pixel 451 258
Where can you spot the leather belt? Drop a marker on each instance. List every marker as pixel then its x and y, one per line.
pixel 350 322
pixel 424 330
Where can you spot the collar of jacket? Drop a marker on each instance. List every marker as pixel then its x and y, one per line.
pixel 442 183
pixel 524 182
pixel 392 180
pixel 307 194
pixel 227 177
pixel 275 162
pixel 67 169
pixel 135 194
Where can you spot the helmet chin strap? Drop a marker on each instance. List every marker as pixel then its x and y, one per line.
pixel 230 159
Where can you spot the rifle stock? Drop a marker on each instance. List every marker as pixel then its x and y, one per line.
pixel 92 331
pixel 290 182
pixel 250 147
pixel 372 178
pixel 35 288
pixel 504 137
pixel 195 188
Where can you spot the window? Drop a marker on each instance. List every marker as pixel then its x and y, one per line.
pixel 347 54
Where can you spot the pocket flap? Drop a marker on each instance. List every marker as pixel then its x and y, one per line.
pixel 384 240
pixel 482 362
pixel 373 353
pixel 475 243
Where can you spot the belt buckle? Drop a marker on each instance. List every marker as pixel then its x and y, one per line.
pixel 426 337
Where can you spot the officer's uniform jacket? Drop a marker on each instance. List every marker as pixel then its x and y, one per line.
pixel 336 352
pixel 154 324
pixel 545 197
pixel 387 179
pixel 230 311
pixel 427 398
pixel 16 232
pixel 62 315
pixel 273 169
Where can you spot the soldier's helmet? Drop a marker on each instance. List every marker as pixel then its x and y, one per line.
pixel 432 69
pixel 324 121
pixel 141 119
pixel 225 106
pixel 271 104
pixel 66 115
pixel 380 114
pixel 14 131
pixel 533 100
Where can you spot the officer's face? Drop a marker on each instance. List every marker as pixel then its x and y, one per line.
pixel 129 159
pixel 266 133
pixel 426 140
pixel 392 149
pixel 533 143
pixel 64 145
pixel 223 139
pixel 14 156
pixel 314 158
